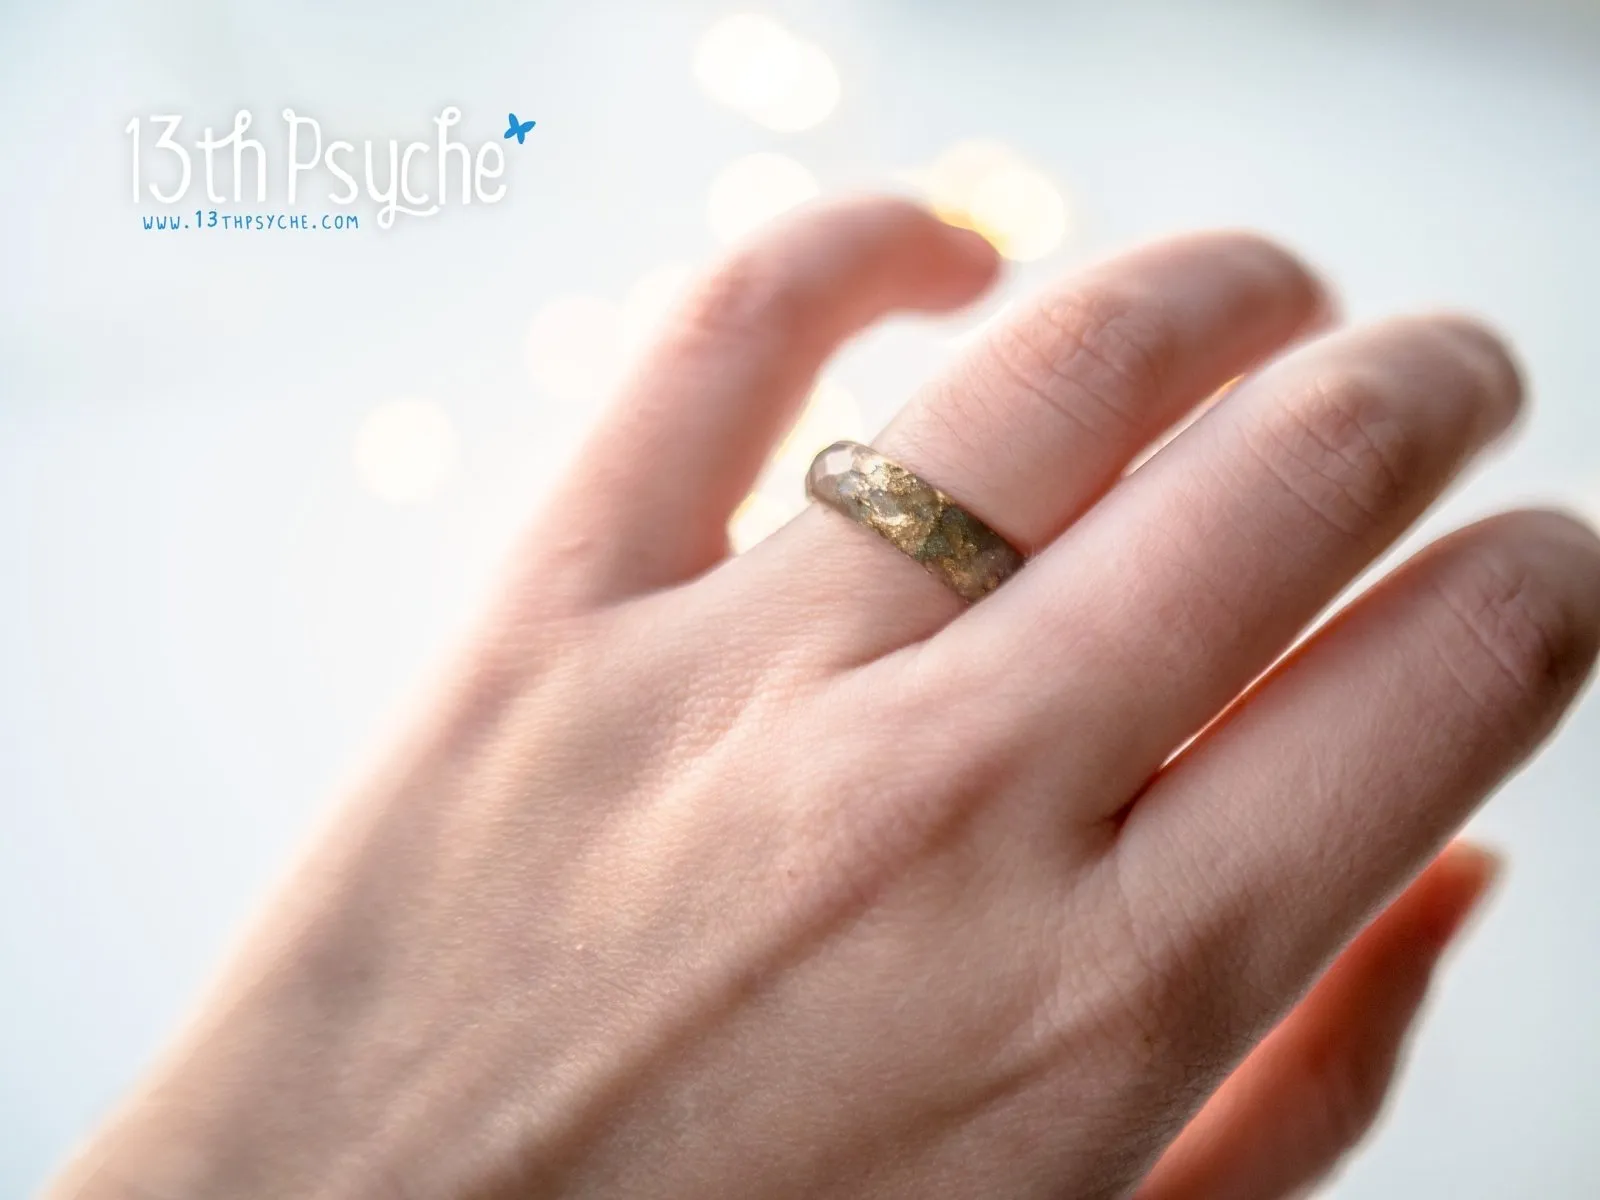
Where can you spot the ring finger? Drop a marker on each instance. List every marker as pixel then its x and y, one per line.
pixel 1034 424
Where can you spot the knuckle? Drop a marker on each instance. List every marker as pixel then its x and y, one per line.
pixel 1509 643
pixel 798 275
pixel 1343 451
pixel 1094 356
pixel 751 293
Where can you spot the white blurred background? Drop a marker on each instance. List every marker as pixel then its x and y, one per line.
pixel 250 485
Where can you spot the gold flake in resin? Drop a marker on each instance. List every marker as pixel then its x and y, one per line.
pixel 916 517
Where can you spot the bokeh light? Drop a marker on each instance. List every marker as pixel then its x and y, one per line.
pixel 406 449
pixel 752 190
pixel 650 300
pixel 971 337
pixel 830 415
pixel 759 516
pixel 759 69
pixel 990 188
pixel 574 348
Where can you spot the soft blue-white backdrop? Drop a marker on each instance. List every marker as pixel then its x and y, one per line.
pixel 204 618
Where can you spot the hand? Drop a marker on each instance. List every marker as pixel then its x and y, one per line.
pixel 791 875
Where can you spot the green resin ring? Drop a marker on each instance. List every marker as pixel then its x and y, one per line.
pixel 914 516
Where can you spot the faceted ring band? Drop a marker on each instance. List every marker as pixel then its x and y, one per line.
pixel 914 516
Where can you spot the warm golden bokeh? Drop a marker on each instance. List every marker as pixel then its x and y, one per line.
pixel 759 516
pixel 406 449
pixel 750 191
pixel 574 348
pixel 759 69
pixel 989 187
pixel 830 415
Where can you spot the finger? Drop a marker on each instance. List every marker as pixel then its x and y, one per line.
pixel 1336 777
pixel 1199 570
pixel 647 502
pixel 1049 408
pixel 1307 1094
pixel 1045 413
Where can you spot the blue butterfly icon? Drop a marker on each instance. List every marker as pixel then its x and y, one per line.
pixel 518 129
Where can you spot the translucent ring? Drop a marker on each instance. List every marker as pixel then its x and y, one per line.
pixel 914 516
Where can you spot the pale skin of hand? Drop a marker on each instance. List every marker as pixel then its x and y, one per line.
pixel 791 875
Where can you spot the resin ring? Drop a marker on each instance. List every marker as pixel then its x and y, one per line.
pixel 913 515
